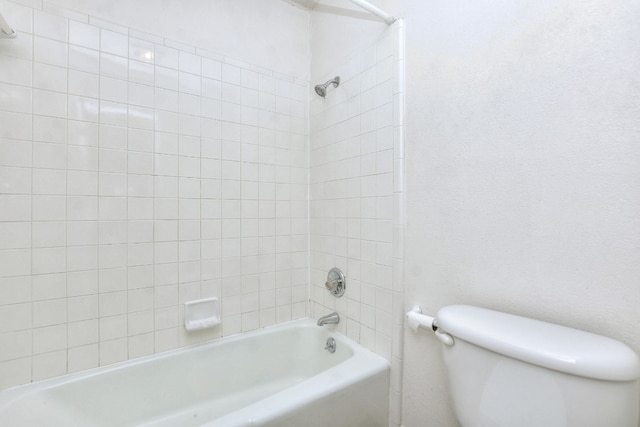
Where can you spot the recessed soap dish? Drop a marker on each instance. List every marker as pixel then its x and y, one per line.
pixel 201 314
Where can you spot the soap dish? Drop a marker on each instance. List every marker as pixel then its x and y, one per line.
pixel 201 314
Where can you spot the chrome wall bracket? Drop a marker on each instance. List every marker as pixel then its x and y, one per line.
pixel 336 283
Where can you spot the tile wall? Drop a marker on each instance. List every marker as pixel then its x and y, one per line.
pixel 137 173
pixel 357 199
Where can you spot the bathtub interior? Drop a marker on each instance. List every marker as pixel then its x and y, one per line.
pixel 185 387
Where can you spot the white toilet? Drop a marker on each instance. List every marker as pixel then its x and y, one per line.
pixel 511 371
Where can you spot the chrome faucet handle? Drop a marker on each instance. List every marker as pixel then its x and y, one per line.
pixel 336 282
pixel 332 285
pixel 331 345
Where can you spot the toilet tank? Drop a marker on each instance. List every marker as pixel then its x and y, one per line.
pixel 511 371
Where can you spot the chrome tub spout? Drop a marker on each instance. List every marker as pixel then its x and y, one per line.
pixel 329 319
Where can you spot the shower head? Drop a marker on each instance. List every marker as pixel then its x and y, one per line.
pixel 322 89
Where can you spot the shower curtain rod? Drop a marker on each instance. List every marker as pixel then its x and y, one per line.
pixel 6 32
pixel 372 9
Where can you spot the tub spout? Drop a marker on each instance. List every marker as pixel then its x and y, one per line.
pixel 329 319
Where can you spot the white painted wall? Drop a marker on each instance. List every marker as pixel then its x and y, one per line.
pixel 339 28
pixel 269 33
pixel 523 171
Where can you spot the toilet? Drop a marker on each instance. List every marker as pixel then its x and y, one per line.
pixel 511 371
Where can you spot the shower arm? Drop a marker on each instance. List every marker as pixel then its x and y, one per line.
pixel 374 10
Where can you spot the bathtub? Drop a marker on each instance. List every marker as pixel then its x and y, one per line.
pixel 278 376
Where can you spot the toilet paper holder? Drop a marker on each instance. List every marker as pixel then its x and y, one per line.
pixel 416 319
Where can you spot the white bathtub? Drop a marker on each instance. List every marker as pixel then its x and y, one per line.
pixel 278 376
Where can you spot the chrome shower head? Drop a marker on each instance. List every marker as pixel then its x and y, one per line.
pixel 322 89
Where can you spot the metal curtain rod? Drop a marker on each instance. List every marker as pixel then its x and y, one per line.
pixel 6 32
pixel 378 12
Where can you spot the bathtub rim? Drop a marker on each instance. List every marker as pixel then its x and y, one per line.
pixel 378 363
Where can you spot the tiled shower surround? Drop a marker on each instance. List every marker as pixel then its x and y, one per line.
pixel 137 173
pixel 357 199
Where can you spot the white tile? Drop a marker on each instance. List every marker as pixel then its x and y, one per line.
pixel 14 235
pixel 82 357
pixel 49 25
pixel 50 51
pixel 82 283
pixel 231 74
pixel 112 256
pixel 16 71
pixel 49 338
pixel 140 186
pixel 49 77
pixel 167 78
pixel 113 351
pixel 82 208
pixel 114 43
pixel 140 140
pixel 140 207
pixel 81 333
pixel 141 118
pixel 83 84
pixel 113 137
pixel 231 93
pixel 250 79
pixel 82 183
pixel 141 50
pixel 112 184
pixel 82 258
pixel 141 95
pixel 48 103
pixel 15 372
pixel 15 180
pixel 113 66
pixel 83 59
pixel 49 312
pixel 190 63
pixel 111 232
pixel 113 209
pixel 52 156
pixel 15 98
pixel 19 15
pixel 81 233
pixel 189 125
pixel 49 181
pixel 113 89
pixel 112 161
pixel 15 125
pixel 81 158
pixel 140 163
pixel 211 88
pixel 167 57
pixel 15 207
pixel 141 72
pixel 189 83
pixel 85 35
pixel 167 121
pixel 211 69
pixel 165 99
pixel 82 108
pixel 113 113
pixel 48 260
pixel 20 47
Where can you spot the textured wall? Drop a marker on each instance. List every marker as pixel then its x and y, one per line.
pixel 523 171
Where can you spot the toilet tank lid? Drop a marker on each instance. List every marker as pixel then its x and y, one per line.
pixel 544 344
